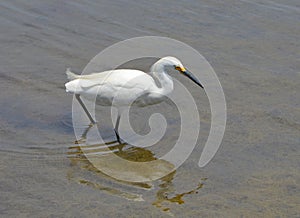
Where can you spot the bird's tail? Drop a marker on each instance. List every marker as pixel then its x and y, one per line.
pixel 71 75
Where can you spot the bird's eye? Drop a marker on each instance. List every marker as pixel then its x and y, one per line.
pixel 180 69
pixel 177 68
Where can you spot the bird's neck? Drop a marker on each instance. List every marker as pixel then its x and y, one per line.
pixel 166 82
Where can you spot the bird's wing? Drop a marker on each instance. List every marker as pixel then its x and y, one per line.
pixel 130 80
pixel 111 83
pixel 123 78
pixel 94 79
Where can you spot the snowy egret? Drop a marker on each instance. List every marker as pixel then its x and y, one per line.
pixel 124 87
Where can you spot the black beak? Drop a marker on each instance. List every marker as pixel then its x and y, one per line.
pixel 192 77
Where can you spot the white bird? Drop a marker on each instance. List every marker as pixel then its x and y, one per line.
pixel 124 87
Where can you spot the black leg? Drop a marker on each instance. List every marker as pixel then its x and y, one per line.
pixel 85 109
pixel 83 136
pixel 117 128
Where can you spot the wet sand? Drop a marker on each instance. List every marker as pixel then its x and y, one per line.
pixel 254 48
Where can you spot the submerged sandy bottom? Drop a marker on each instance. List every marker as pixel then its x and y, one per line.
pixel 254 49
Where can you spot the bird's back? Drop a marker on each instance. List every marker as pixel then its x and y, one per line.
pixel 115 87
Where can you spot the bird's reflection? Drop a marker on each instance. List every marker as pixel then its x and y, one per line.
pixel 97 158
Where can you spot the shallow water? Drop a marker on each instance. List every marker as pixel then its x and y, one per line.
pixel 253 47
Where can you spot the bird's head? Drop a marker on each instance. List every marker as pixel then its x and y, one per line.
pixel 180 68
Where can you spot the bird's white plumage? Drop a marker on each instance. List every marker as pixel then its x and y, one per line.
pixel 117 87
pixel 122 87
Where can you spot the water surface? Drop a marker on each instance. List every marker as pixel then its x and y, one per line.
pixel 254 49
